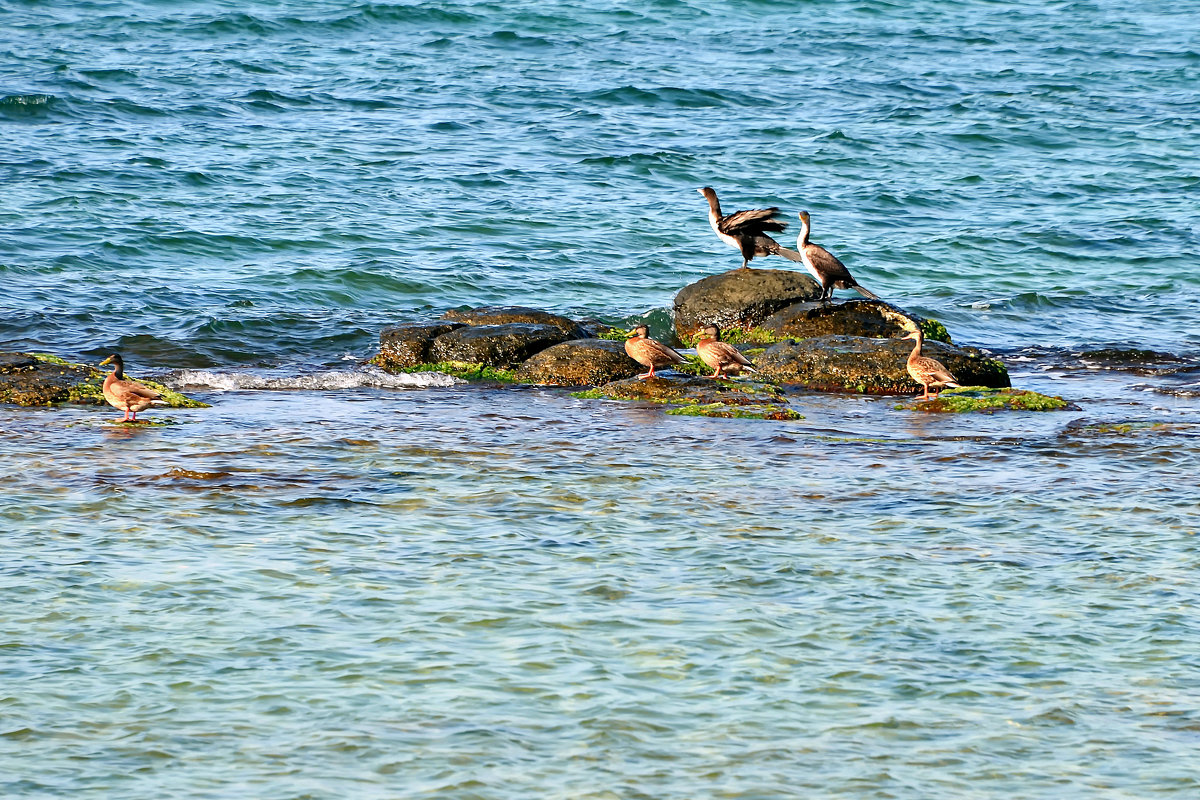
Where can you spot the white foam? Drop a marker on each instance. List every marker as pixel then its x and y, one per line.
pixel 334 379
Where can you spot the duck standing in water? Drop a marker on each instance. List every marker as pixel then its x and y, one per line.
pixel 124 394
pixel 824 265
pixel 721 356
pixel 747 230
pixel 927 371
pixel 650 353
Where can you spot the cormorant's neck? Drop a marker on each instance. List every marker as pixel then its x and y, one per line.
pixel 713 205
pixel 803 237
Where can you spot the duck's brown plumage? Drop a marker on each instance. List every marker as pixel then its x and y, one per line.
pixel 721 356
pixel 925 370
pixel 124 394
pixel 650 353
pixel 747 230
pixel 825 266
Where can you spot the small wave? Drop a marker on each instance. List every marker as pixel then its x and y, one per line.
pixel 321 381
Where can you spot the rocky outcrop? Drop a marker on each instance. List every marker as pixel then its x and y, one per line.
pixel 495 345
pixel 506 315
pixel 407 345
pixel 580 362
pixel 740 298
pixel 688 395
pixel 28 379
pixel 979 399
pixel 869 318
pixel 870 366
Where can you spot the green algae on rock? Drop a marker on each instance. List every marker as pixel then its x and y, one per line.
pixel 39 379
pixel 726 411
pixel 985 399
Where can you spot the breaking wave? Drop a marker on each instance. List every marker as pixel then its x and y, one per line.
pixel 320 381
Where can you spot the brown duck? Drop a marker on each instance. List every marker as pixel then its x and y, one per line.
pixel 927 371
pixel 721 356
pixel 648 352
pixel 124 394
pixel 747 230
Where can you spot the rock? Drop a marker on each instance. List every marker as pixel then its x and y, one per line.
pixel 504 315
pixel 28 379
pixel 580 362
pixel 688 390
pixel 870 318
pixel 407 345
pixel 988 400
pixel 740 298
pixel 495 345
pixel 687 395
pixel 870 366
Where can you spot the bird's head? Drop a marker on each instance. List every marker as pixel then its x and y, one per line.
pixel 639 332
pixel 708 192
pixel 803 215
pixel 113 359
pixel 913 333
pixel 712 332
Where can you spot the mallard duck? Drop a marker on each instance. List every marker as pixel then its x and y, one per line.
pixel 721 356
pixel 824 265
pixel 650 353
pixel 747 230
pixel 927 371
pixel 124 394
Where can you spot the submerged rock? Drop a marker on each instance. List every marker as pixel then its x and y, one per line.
pixel 579 362
pixel 988 400
pixel 505 315
pixel 407 345
pixel 870 366
pixel 688 395
pixel 495 345
pixel 34 379
pixel 868 318
pixel 739 299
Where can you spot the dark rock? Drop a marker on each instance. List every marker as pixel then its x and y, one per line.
pixel 407 345
pixel 871 366
pixel 580 362
pixel 495 345
pixel 10 362
pixel 504 315
pixel 870 318
pixel 740 298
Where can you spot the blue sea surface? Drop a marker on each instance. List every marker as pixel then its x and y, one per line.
pixel 330 587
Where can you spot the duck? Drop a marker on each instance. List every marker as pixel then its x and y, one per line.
pixel 925 370
pixel 124 394
pixel 721 356
pixel 648 352
pixel 825 266
pixel 747 231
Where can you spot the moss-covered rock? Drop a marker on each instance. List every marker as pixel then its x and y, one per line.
pixel 579 362
pixel 988 400
pixel 868 318
pixel 36 379
pixel 725 411
pixel 407 345
pixel 739 299
pixel 870 366
pixel 496 345
pixel 506 315
pixel 688 390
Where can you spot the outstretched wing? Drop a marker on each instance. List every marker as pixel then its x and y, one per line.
pixel 756 220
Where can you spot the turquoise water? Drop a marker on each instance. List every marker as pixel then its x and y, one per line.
pixel 332 585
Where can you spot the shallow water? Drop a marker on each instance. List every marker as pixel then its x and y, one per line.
pixel 336 583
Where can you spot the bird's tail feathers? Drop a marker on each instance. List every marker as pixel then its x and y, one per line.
pixel 790 255
pixel 867 293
